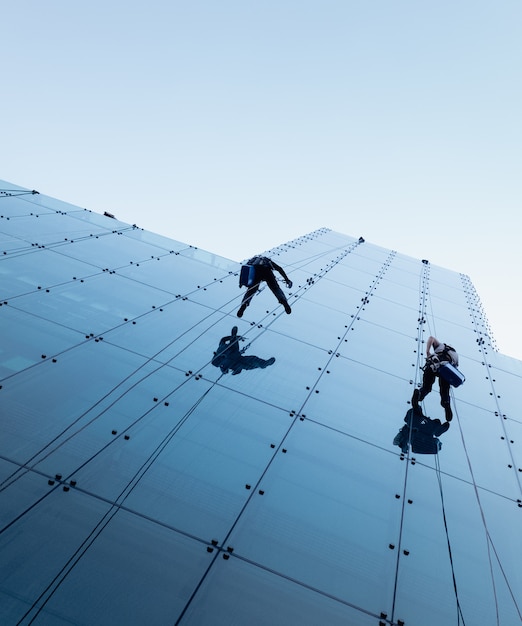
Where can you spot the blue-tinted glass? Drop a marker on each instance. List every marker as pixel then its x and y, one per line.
pixel 164 461
pixel 314 522
pixel 238 591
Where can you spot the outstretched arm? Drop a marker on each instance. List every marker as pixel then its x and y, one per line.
pixel 432 342
pixel 279 269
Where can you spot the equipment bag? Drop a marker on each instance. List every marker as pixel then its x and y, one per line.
pixel 247 276
pixel 425 444
pixel 450 373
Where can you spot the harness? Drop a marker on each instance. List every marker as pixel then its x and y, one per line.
pixel 448 355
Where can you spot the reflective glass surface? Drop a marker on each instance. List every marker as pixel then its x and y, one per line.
pixel 163 461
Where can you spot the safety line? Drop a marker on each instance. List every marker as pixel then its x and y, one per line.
pixel 439 479
pixel 489 540
pixel 296 417
pixel 24 468
pixel 107 521
pixel 423 281
pixel 121 382
pixel 61 576
pixel 13 193
pixel 34 247
pixel 432 330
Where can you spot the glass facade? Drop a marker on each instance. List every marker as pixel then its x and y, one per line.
pixel 144 481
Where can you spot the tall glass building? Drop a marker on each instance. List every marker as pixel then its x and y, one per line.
pixel 149 476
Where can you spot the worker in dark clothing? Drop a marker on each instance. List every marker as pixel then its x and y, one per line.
pixel 442 353
pixel 264 270
pixel 229 357
pixel 421 431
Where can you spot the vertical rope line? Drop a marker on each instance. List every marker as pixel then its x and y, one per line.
pixel 489 540
pixel 104 521
pixel 439 480
pixel 332 355
pixel 421 320
pixel 61 576
pixel 433 331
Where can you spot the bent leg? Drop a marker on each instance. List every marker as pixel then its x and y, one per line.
pixel 246 298
pixel 444 387
pixel 428 379
pixel 272 283
pixel 250 293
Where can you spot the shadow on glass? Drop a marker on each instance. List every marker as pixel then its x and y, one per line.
pixel 421 432
pixel 229 357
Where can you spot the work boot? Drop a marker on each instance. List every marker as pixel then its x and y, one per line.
pixel 287 307
pixel 415 399
pixel 241 310
pixel 449 412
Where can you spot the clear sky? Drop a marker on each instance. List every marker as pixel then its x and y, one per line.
pixel 236 125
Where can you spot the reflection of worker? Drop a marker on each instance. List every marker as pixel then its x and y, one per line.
pixel 264 271
pixel 442 353
pixel 229 358
pixel 422 432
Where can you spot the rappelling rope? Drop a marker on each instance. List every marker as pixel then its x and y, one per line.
pixel 423 279
pixel 460 616
pixel 67 568
pixel 23 469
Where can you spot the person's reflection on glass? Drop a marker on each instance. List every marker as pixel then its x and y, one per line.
pixel 229 358
pixel 424 433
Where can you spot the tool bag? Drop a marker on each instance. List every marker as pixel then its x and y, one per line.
pixel 247 276
pixel 450 373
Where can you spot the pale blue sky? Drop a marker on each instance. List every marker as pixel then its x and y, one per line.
pixel 238 125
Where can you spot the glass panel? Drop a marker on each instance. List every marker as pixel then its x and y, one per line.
pixel 353 406
pixel 503 527
pixel 16 203
pixel 67 390
pixel 239 592
pixel 309 328
pixel 117 555
pixel 28 340
pixel 279 452
pixel 50 229
pixel 273 384
pixel 41 268
pixel 425 541
pixel 189 274
pixel 394 292
pixel 336 296
pixel 221 445
pixel 94 304
pixel 113 251
pixel 325 523
pixel 502 381
pixel 159 241
pixel 489 455
pixel 130 555
pixel 19 493
pixel 40 544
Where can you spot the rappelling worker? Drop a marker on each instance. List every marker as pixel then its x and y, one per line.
pixel 442 354
pixel 257 269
